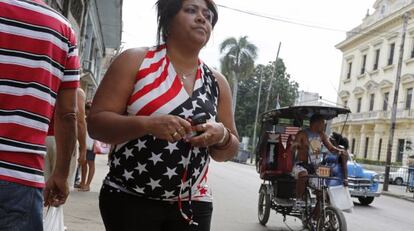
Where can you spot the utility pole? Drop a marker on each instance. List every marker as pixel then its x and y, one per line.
pixel 257 115
pixel 405 16
pixel 271 78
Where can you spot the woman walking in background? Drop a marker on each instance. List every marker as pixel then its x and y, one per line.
pixel 88 167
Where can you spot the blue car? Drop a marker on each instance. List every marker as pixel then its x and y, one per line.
pixel 362 184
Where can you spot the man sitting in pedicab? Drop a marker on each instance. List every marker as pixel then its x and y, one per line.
pixel 308 144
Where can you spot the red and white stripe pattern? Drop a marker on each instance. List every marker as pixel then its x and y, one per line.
pixel 158 88
pixel 289 131
pixel 38 57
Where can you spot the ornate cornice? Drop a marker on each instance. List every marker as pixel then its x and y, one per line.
pixel 385 84
pixel 344 94
pixel 407 78
pixel 358 91
pixel 371 85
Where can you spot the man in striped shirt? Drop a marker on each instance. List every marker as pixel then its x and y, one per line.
pixel 39 74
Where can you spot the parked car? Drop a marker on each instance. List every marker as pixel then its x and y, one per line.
pixel 399 177
pixel 363 184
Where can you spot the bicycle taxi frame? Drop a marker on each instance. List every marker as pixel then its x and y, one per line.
pixel 274 163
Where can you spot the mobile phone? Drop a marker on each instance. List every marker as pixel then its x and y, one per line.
pixel 197 119
pixel 200 118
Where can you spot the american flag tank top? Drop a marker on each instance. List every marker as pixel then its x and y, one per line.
pixel 154 168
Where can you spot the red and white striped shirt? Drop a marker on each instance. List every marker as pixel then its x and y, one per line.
pixel 38 57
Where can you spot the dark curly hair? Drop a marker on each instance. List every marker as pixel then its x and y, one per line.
pixel 167 9
pixel 338 140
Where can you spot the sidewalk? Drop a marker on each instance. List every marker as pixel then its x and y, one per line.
pixel 398 192
pixel 81 210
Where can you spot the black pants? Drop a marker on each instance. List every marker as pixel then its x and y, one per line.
pixel 124 212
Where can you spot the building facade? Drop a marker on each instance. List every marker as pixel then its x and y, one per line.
pixel 366 87
pixel 98 25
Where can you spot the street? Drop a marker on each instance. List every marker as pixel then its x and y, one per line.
pixel 235 190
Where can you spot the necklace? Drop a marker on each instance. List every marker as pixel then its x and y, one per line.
pixel 184 76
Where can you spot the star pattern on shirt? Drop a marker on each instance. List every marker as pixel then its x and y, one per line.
pixel 127 175
pixel 196 151
pixel 139 190
pixel 171 147
pixel 128 153
pixel 196 172
pixel 141 168
pixel 183 161
pixel 155 158
pixel 141 144
pixel 203 97
pixel 195 104
pixel 187 112
pixel 170 172
pixel 168 194
pixel 115 162
pixel 154 183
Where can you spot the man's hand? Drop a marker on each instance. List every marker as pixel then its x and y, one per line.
pixel 56 191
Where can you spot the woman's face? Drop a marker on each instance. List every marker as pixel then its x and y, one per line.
pixel 193 22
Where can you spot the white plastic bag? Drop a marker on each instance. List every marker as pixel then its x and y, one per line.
pixel 340 198
pixel 53 220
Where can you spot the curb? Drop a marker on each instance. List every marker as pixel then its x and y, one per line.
pixel 407 198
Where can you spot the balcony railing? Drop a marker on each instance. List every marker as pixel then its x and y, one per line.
pixel 375 115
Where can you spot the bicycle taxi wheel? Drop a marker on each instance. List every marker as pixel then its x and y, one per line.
pixel 334 220
pixel 263 206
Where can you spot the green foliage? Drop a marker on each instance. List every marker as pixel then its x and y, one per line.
pixel 248 93
pixel 238 58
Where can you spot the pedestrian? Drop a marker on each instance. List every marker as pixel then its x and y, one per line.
pixel 80 154
pixel 88 167
pixel 39 74
pixel 144 106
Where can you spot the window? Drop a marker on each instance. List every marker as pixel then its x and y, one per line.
pixel 391 56
pixel 345 103
pixel 359 104
pixel 353 146
pixel 364 62
pixel 366 147
pixel 371 102
pixel 385 102
pixel 379 149
pixel 348 75
pixel 408 98
pixel 376 61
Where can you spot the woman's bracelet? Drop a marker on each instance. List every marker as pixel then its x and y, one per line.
pixel 225 133
pixel 225 144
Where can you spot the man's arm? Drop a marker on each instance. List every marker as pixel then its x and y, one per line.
pixel 330 146
pixel 81 124
pixel 56 190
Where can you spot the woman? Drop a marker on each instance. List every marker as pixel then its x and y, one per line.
pixel 144 106
pixel 88 167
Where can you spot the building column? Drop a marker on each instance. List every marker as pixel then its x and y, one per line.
pixel 362 137
pixel 379 131
pixel 349 135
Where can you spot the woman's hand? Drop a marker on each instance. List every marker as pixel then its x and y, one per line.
pixel 169 127
pixel 212 134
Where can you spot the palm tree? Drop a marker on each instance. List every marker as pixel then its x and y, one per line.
pixel 237 61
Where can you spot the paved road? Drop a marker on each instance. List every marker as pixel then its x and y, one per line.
pixel 235 189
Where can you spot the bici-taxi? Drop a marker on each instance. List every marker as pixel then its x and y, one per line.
pixel 275 160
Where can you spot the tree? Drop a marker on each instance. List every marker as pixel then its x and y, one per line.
pixel 282 85
pixel 237 61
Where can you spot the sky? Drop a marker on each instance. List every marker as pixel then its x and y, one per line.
pixel 308 52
